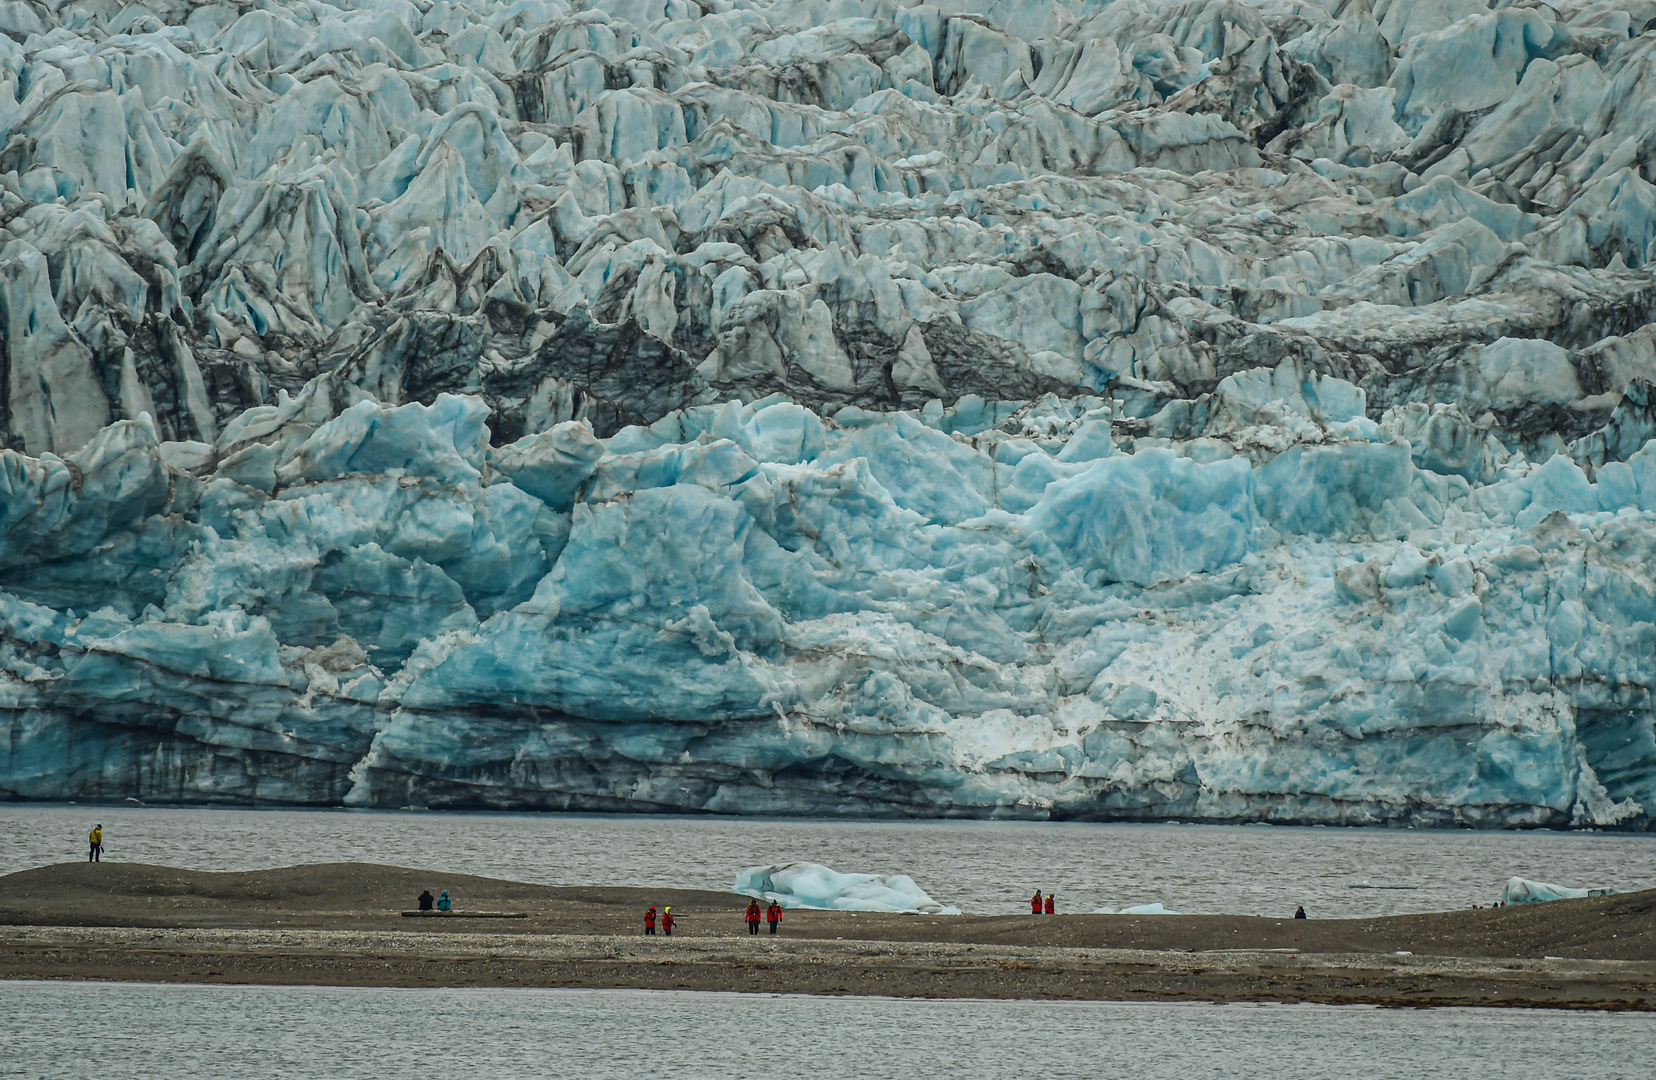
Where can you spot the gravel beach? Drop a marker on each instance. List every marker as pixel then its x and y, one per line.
pixel 340 924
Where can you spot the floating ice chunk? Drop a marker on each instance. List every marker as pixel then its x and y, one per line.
pixel 812 885
pixel 1522 891
pixel 1136 909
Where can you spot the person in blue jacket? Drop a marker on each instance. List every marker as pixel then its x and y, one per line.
pixel 443 902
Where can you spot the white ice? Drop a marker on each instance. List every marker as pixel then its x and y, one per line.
pixel 1136 909
pixel 1521 891
pixel 811 885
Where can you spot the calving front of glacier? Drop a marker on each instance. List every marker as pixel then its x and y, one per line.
pixel 1040 408
pixel 741 608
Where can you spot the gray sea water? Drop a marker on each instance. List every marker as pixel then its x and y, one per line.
pixel 123 1031
pixel 983 867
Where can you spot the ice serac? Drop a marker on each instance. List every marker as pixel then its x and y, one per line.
pixel 1210 410
pixel 812 885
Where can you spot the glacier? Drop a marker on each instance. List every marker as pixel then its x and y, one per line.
pixel 1227 410
pixel 812 885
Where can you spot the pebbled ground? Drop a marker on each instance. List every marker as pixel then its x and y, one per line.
pixel 337 925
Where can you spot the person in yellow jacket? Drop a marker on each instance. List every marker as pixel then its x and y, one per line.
pixel 96 837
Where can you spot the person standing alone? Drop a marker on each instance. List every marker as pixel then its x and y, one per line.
pixel 753 918
pixel 95 852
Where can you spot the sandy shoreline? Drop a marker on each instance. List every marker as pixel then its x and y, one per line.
pixel 338 925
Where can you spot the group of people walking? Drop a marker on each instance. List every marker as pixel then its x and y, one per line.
pixel 1037 906
pixel 667 921
pixel 754 916
pixel 773 915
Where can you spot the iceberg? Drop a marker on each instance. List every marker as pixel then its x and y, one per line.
pixel 1521 891
pixel 1136 909
pixel 812 885
pixel 1182 409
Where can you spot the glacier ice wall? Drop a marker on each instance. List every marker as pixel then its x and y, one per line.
pixel 1224 409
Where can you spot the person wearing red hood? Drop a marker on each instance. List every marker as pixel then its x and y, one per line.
pixel 649 922
pixel 1035 903
pixel 774 915
pixel 753 918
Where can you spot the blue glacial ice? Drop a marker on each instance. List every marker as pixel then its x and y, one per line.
pixel 812 885
pixel 1218 410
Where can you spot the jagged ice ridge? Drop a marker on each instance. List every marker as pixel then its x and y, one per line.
pixel 1216 410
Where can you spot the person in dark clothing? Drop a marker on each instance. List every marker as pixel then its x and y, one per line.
pixel 649 922
pixel 667 921
pixel 1299 912
pixel 1051 904
pixel 753 918
pixel 425 900
pixel 1035 903
pixel 774 915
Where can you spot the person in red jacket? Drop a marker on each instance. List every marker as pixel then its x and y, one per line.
pixel 1051 908
pixel 753 918
pixel 667 921
pixel 649 922
pixel 1035 903
pixel 774 915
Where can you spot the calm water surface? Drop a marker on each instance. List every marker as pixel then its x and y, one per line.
pixel 984 867
pixel 121 1031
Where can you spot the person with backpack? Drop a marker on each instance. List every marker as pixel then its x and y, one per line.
pixel 774 915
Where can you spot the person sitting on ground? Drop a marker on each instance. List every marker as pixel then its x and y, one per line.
pixel 753 918
pixel 1035 903
pixel 649 922
pixel 774 915
pixel 1051 904
pixel 95 854
pixel 667 921
pixel 444 903
pixel 425 900
pixel 1299 912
